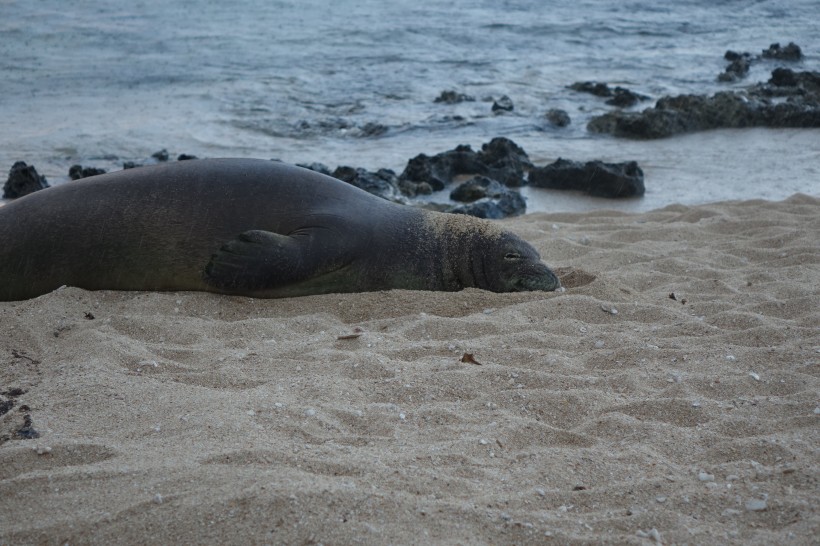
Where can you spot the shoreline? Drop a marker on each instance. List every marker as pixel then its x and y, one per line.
pixel 764 163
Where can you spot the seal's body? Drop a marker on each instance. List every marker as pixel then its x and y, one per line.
pixel 247 227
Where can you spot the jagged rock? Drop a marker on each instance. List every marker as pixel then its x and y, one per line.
pixel 453 97
pixel 413 189
pixel 739 64
pixel 371 129
pixel 511 203
pixel 783 77
pixel 505 161
pixel 594 88
pixel 503 104
pixel 23 179
pixel 501 159
pixel 624 98
pixel 734 55
pixel 752 107
pixel 593 177
pixel 791 52
pixel 487 198
pixel 477 188
pixel 76 172
pixel 439 170
pixel 501 151
pixel 383 183
pixel 558 118
pixel 620 96
pixel 807 82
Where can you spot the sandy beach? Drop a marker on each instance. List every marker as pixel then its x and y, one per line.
pixel 669 395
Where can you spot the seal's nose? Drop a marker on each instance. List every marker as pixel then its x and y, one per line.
pixel 538 277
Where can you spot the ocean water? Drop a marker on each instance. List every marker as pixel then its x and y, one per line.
pixel 354 81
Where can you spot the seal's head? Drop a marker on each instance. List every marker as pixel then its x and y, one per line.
pixel 506 263
pixel 510 264
pixel 480 254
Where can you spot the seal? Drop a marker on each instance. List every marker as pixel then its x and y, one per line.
pixel 248 227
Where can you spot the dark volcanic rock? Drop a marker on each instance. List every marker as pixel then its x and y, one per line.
pixel 131 165
pixel 807 83
pixel 752 107
pixel 594 177
pixel 511 203
pixel 477 188
pixel 439 170
pixel 789 53
pixel 734 55
pixel 76 172
pixel 739 64
pixel 619 96
pixel 186 157
pixel 23 179
pixel 557 117
pixel 505 161
pixel 161 155
pixel 371 129
pixel 783 77
pixel 501 151
pixel 501 159
pixel 487 198
pixel 383 183
pixel 624 98
pixel 503 104
pixel 595 88
pixel 453 97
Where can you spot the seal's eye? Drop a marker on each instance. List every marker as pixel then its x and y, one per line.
pixel 512 256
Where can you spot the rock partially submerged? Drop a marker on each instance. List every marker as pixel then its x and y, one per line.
pixel 618 96
pixel 789 100
pixel 425 174
pixel 502 105
pixel 500 159
pixel 753 107
pixel 453 97
pixel 23 179
pixel 791 52
pixel 739 64
pixel 593 177
pixel 495 170
pixel 76 172
pixel 558 117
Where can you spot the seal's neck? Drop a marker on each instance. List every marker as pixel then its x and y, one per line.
pixel 465 242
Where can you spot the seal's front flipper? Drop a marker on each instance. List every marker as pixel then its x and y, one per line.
pixel 259 260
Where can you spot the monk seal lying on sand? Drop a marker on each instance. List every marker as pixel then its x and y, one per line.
pixel 248 227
